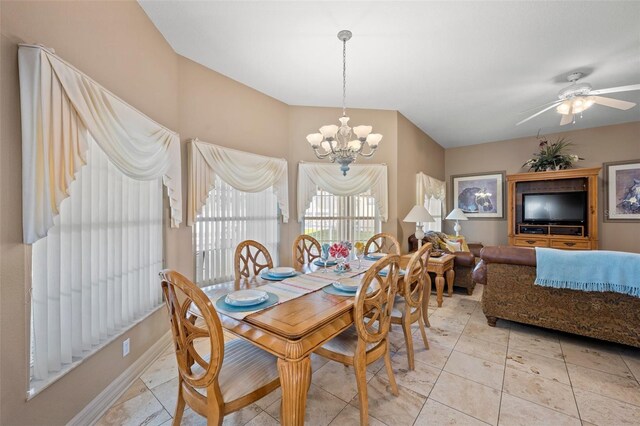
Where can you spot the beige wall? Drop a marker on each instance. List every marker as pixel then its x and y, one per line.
pixel 596 146
pixel 116 44
pixel 417 152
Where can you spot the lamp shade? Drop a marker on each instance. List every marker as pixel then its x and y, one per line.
pixel 419 214
pixel 456 214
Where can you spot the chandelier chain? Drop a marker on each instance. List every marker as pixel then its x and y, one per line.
pixel 344 78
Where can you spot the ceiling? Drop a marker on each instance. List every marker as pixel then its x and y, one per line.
pixel 464 72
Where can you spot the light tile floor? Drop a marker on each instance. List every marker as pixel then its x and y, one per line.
pixel 473 374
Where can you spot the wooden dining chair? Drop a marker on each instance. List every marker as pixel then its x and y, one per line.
pixel 367 340
pixel 306 249
pixel 250 259
pixel 408 306
pixel 231 376
pixel 382 243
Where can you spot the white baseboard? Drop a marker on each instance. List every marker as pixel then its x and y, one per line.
pixel 101 403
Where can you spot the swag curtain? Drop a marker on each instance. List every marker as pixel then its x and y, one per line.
pixel 428 187
pixel 243 171
pixel 61 107
pixel 361 178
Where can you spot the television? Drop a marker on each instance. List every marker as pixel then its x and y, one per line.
pixel 555 207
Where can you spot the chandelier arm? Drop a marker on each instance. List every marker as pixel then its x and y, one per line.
pixel 319 155
pixel 370 154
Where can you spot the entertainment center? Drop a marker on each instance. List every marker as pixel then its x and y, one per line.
pixel 557 209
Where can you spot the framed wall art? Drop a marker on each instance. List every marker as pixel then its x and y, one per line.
pixel 479 195
pixel 622 191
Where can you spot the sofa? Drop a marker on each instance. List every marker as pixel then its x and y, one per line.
pixel 463 263
pixel 510 293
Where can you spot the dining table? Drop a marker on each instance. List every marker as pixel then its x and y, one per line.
pixel 291 331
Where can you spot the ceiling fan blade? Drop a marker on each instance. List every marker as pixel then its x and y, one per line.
pixel 539 106
pixel 613 103
pixel 566 119
pixel 539 112
pixel 616 89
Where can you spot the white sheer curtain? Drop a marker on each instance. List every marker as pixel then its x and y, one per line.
pixel 60 108
pixel 228 217
pixel 361 178
pixel 96 272
pixel 243 171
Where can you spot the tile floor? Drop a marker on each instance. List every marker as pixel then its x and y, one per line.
pixel 472 375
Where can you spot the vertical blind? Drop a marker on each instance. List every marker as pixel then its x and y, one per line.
pixel 330 218
pixel 96 272
pixel 229 217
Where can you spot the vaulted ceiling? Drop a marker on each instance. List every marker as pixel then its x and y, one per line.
pixel 464 72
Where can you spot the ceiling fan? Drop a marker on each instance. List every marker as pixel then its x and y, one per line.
pixel 580 96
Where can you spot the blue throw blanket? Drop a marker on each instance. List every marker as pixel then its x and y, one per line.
pixel 595 270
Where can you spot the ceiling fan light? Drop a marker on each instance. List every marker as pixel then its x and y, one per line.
pixel 564 108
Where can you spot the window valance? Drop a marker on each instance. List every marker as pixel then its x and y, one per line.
pixel 361 178
pixel 428 187
pixel 60 108
pixel 242 170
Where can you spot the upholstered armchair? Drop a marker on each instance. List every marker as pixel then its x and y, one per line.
pixel 464 262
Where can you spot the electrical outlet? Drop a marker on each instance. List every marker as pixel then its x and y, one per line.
pixel 125 347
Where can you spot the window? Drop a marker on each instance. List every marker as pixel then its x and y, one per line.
pixel 434 206
pixel 228 218
pixel 332 218
pixel 96 272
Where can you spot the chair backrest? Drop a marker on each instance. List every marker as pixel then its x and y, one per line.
pixel 183 298
pixel 250 259
pixel 374 300
pixel 306 249
pixel 415 278
pixel 382 243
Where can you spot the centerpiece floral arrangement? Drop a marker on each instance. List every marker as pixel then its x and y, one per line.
pixel 552 156
pixel 340 251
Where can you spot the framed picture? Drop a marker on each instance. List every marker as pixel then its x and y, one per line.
pixel 479 196
pixel 622 191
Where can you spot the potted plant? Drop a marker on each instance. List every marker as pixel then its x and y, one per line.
pixel 552 156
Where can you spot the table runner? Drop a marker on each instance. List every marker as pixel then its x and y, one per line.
pixel 294 287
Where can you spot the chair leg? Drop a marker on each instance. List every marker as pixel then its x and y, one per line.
pixel 408 338
pixel 392 378
pixel 180 405
pixel 360 368
pixel 423 331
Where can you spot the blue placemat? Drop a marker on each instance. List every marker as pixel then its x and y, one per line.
pixel 332 290
pixel 272 300
pixel 267 276
pixel 372 258
pixel 383 273
pixel 320 262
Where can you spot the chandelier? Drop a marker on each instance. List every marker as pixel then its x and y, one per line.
pixel 342 144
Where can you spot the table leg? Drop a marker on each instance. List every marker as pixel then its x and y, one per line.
pixel 294 380
pixel 439 288
pixel 450 276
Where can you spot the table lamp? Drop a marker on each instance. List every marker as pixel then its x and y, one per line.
pixel 419 214
pixel 457 215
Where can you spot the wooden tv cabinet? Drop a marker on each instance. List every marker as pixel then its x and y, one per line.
pixel 581 237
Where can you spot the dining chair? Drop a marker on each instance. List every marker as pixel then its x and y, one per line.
pixel 367 340
pixel 382 243
pixel 250 259
pixel 231 376
pixel 408 306
pixel 306 249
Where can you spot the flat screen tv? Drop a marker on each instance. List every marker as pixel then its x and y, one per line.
pixel 555 207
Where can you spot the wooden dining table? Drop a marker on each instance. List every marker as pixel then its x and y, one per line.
pixel 291 331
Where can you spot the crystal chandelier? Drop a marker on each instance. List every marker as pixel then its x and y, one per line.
pixel 343 144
